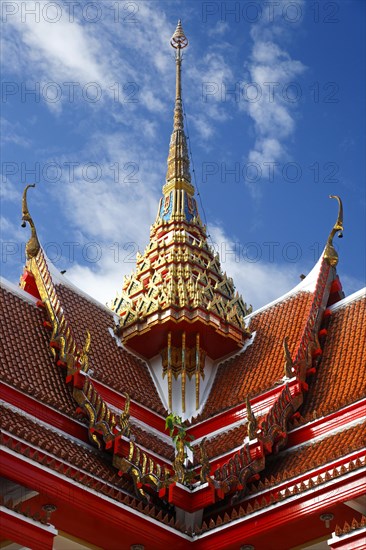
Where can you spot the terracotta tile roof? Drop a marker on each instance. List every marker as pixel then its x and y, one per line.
pixel 111 364
pixel 299 460
pixel 222 443
pixel 27 362
pixel 261 364
pixel 152 442
pixel 213 519
pixel 288 465
pixel 84 459
pixel 25 346
pixel 341 377
pixel 59 446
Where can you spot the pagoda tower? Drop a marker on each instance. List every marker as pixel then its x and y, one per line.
pixel 179 310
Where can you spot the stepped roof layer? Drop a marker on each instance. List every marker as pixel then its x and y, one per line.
pixel 26 350
pixel 342 378
pixel 87 411
pixel 260 366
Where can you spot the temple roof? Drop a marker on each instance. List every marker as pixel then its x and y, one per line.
pixel 312 314
pixel 344 359
pixel 279 393
pixel 342 350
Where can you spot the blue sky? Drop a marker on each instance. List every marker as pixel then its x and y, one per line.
pixel 275 102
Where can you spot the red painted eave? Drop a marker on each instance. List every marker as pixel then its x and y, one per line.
pixel 354 540
pixel 26 532
pixel 252 528
pixel 97 518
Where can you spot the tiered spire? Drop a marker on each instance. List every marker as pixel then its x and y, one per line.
pixel 178 191
pixel 178 161
pixel 179 306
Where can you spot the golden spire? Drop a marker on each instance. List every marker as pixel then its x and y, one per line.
pixel 178 175
pixel 330 253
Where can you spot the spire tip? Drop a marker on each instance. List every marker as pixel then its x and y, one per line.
pixel 179 39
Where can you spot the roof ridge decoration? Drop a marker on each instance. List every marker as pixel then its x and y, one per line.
pixel 326 276
pixel 330 253
pixel 270 434
pixel 32 247
pixel 179 304
pixel 104 425
pixel 309 282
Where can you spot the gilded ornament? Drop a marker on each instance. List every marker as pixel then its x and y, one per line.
pixel 330 253
pixel 252 421
pixel 288 360
pixel 32 247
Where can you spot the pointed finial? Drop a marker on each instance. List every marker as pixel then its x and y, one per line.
pixel 330 254
pixel 32 247
pixel 251 419
pixel 178 176
pixel 288 359
pixel 179 39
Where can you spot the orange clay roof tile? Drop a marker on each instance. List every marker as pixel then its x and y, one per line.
pixel 290 464
pixel 152 442
pixel 60 446
pixel 261 364
pixel 111 364
pixel 222 443
pixel 341 377
pixel 333 387
pixel 301 459
pixel 28 364
pixel 94 469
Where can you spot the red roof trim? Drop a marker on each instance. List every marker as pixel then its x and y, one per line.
pixel 281 514
pixel 116 399
pixel 308 432
pixel 21 530
pixel 108 512
pixel 43 412
pixel 329 423
pixel 225 420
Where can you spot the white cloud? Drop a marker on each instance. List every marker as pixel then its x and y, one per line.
pixel 78 52
pixel 209 80
pixel 203 126
pixel 61 50
pixel 127 180
pixel 12 133
pixel 351 284
pixel 270 91
pixel 219 29
pixel 8 191
pixel 258 282
pixel 103 279
pixel 151 101
pixel 11 230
